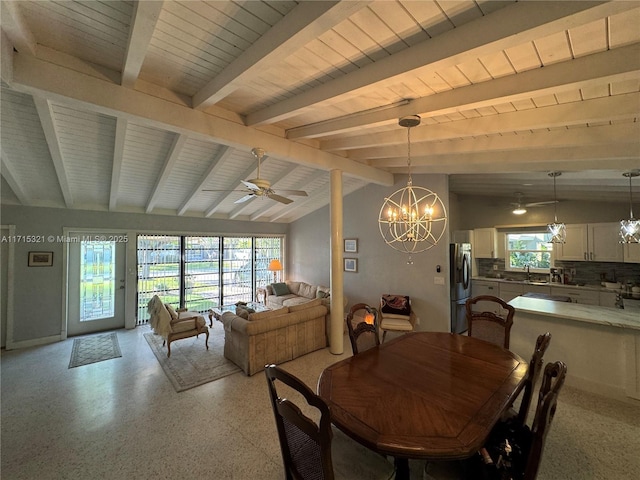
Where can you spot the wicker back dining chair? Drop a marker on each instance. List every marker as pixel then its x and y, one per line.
pixel 552 381
pixel 362 324
pixel 488 325
pixel 305 445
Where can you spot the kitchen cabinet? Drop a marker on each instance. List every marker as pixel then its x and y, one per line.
pixel 631 252
pixel 485 287
pixel 596 242
pixel 577 295
pixel 485 243
pixel 509 291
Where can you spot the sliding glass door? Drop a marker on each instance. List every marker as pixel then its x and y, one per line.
pixel 201 272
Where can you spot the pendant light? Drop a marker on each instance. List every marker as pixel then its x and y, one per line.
pixel 413 219
pixel 630 229
pixel 557 230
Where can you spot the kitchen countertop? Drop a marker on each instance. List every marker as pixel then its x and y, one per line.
pixel 598 288
pixel 579 312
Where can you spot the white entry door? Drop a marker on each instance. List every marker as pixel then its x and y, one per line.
pixel 96 280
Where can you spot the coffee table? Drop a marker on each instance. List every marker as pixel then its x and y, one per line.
pixel 216 312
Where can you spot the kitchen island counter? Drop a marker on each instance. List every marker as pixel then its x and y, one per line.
pixel 614 317
pixel 600 345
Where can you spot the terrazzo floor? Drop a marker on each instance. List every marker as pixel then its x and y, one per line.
pixel 122 419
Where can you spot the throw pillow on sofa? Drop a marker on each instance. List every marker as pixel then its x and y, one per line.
pixel 280 289
pixel 307 291
pixel 321 294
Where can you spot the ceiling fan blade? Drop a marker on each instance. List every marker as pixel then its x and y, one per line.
pixel 540 204
pixel 280 199
pixel 250 185
pixel 298 193
pixel 215 190
pixel 245 198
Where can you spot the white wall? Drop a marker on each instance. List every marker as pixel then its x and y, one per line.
pixel 381 269
pixel 38 291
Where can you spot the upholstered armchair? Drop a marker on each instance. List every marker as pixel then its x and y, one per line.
pixel 396 314
pixel 174 325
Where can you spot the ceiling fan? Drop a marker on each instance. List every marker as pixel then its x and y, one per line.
pixel 519 207
pixel 259 187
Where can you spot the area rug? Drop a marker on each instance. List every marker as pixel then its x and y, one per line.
pixel 191 364
pixel 94 349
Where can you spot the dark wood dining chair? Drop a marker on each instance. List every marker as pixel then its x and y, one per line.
pixel 535 369
pixel 526 445
pixel 488 325
pixel 552 381
pixel 305 445
pixel 362 324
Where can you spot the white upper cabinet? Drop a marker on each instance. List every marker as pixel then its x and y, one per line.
pixel 485 243
pixel 595 242
pixel 632 252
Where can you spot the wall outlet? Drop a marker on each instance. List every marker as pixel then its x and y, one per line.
pixel 495 267
pixel 438 280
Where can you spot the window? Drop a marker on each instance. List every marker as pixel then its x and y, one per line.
pixel 199 273
pixel 528 248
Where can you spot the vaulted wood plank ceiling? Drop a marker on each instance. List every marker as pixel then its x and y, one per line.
pixel 141 106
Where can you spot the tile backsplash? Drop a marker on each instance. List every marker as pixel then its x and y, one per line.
pixel 586 272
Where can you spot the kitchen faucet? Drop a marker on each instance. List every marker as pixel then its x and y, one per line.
pixel 526 268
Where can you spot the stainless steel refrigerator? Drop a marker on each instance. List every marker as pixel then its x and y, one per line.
pixel 460 282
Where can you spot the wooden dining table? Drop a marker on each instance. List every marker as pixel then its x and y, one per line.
pixel 425 395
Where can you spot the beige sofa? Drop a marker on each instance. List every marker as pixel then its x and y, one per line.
pixel 274 336
pixel 299 292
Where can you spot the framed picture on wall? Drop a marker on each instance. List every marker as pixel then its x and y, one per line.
pixel 350 264
pixel 351 245
pixel 40 259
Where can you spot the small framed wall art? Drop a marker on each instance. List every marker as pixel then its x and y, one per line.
pixel 350 264
pixel 351 245
pixel 40 259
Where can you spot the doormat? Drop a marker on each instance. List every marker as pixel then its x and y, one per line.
pixel 94 349
pixel 191 364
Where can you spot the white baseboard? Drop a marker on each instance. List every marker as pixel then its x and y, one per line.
pixel 33 343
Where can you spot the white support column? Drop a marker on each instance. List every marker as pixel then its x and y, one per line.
pixel 336 326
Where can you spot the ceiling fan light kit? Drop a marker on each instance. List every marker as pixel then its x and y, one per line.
pixel 630 229
pixel 412 219
pixel 519 210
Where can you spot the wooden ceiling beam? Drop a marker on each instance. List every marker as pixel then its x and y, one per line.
pixel 9 174
pixel 118 158
pixel 47 121
pixel 169 164
pixel 504 28
pixel 622 109
pixel 219 159
pixel 611 66
pixel 143 23
pixel 306 22
pixel 36 77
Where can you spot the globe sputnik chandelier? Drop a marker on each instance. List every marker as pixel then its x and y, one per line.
pixel 413 219
pixel 630 229
pixel 557 230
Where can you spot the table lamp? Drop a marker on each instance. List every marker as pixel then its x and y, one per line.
pixel 274 266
